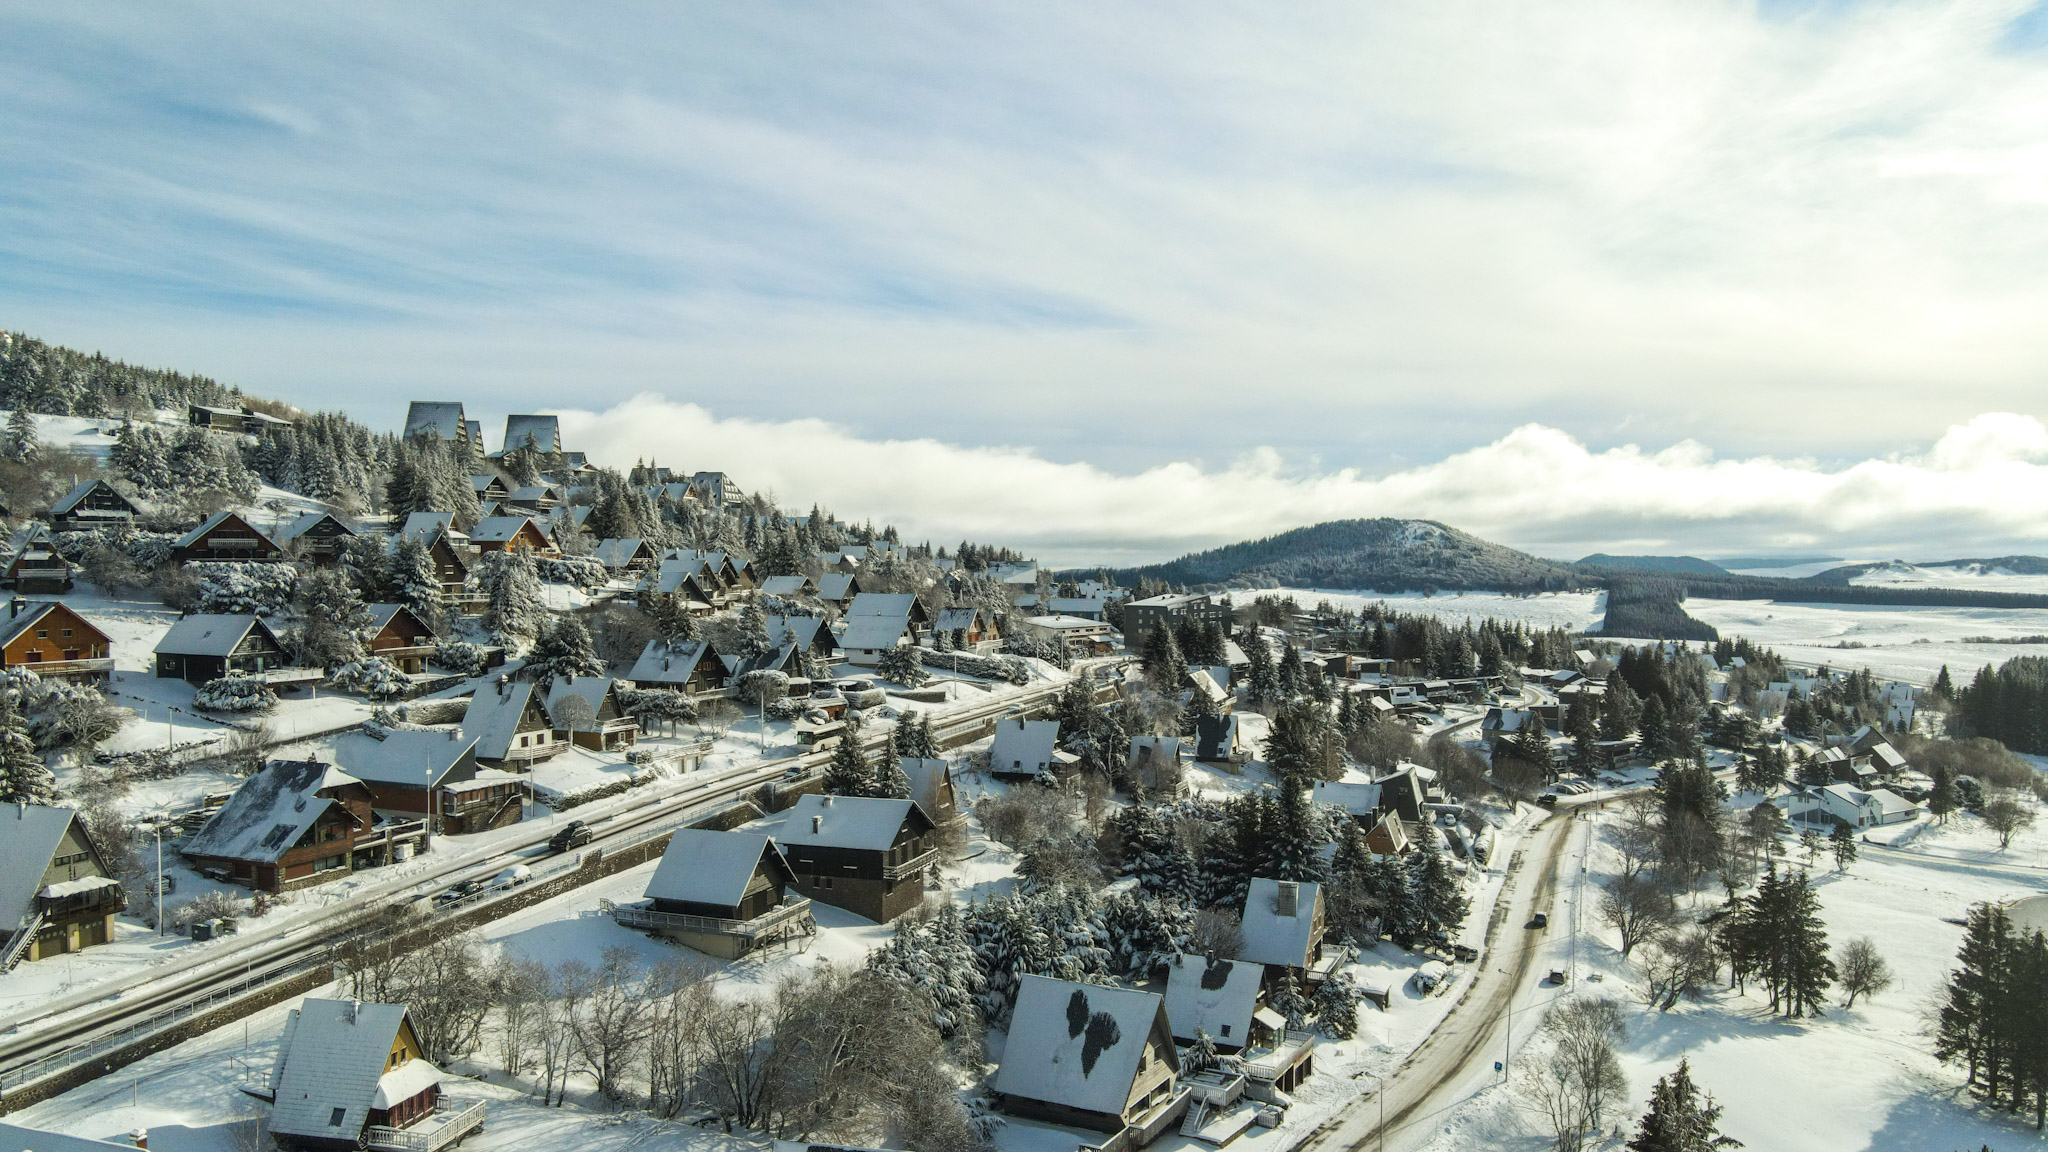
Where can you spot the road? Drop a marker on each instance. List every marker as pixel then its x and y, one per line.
pixel 63 1029
pixel 1459 1054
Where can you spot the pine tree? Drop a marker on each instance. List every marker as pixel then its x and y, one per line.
pixel 1655 727
pixel 1843 842
pixel 1297 836
pixel 413 579
pixel 1438 902
pixel 563 649
pixel 514 613
pixel 22 445
pixel 333 619
pixel 24 777
pixel 849 773
pixel 903 664
pixel 1681 1118
pixel 890 782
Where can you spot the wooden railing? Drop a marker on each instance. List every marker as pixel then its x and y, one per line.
pixel 912 866
pixel 432 1133
pixel 791 908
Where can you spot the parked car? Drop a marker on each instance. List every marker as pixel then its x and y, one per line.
pixel 458 893
pixel 512 877
pixel 573 835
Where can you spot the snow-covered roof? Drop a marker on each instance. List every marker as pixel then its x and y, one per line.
pixel 1169 600
pixel 619 552
pixel 802 631
pixel 673 574
pixel 381 616
pixel 331 1057
pixel 927 778
pixel 83 489
pixel 532 492
pixel 269 812
pixel 1217 998
pixel 865 823
pixel 298 526
pixel 29 836
pixel 664 663
pixel 215 521
pixel 889 604
pixel 872 632
pixel 207 634
pixel 1888 756
pixel 706 867
pixel 1273 938
pixel 499 529
pixel 1154 747
pixel 424 526
pixel 492 720
pixel 834 585
pixel 590 689
pixel 1357 799
pixel 404 757
pixel 546 432
pixel 63 888
pixel 1065 624
pixel 33 532
pixel 441 417
pixel 786 585
pixel 1023 745
pixel 1078 1044
pixel 1504 720
pixel 16 1138
pixel 955 619
pixel 1215 737
pixel 403 1083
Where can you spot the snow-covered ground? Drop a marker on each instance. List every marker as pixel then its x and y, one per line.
pixel 1975 577
pixel 1852 1079
pixel 1909 643
pixel 1576 611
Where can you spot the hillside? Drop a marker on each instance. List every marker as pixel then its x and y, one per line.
pixel 1384 554
pixel 1692 564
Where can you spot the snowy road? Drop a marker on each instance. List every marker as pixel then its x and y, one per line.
pixel 1460 1054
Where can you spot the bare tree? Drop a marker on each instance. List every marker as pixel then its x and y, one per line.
pixel 1217 930
pixel 554 1028
pixel 1680 966
pixel 1636 834
pixel 1639 907
pixel 676 994
pixel 447 990
pixel 1863 971
pixel 522 988
pixel 1581 1078
pixel 611 1026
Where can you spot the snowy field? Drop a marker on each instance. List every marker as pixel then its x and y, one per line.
pixel 1907 643
pixel 1576 611
pixel 1850 1080
pixel 1974 577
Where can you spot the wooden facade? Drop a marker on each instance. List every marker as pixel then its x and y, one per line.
pixel 54 642
pixel 227 537
pixel 880 885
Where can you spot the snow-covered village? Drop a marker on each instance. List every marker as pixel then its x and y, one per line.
pixel 1023 577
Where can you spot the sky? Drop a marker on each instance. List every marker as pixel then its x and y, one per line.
pixel 1108 282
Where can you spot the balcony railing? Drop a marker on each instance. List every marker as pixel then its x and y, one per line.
pixel 1269 1064
pixel 792 908
pixel 448 1123
pixel 391 833
pixel 912 866
pixel 67 667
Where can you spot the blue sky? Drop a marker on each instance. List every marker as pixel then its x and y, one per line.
pixel 1365 237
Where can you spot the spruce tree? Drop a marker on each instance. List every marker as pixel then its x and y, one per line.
pixel 1438 901
pixel 848 773
pixel 564 649
pixel 1843 842
pixel 24 777
pixel 1681 1118
pixel 22 445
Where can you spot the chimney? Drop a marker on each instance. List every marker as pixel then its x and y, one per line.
pixel 501 687
pixel 817 824
pixel 1289 903
pixel 140 1137
pixel 14 608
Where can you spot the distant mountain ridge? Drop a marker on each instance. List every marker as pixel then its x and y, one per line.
pixel 2017 565
pixel 1384 554
pixel 1691 564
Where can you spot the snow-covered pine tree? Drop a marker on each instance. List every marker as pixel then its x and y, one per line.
pixel 332 619
pixel 1437 900
pixel 849 773
pixel 1144 934
pixel 564 649
pixel 1297 837
pixel 1681 1118
pixel 24 777
pixel 515 612
pixel 904 665
pixel 235 694
pixel 1336 1006
pixel 890 782
pixel 413 580
pixel 22 445
pixel 1288 1000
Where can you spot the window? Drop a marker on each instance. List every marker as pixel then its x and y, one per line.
pixel 42 633
pixel 334 1118
pixel 66 633
pixel 824 881
pixel 523 740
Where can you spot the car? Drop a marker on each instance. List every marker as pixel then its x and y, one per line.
pixel 512 877
pixel 1548 800
pixel 458 893
pixel 573 835
pixel 1540 920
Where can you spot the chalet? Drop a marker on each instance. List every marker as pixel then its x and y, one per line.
pixel 504 533
pixel 1361 802
pixel 730 579
pixel 568 519
pixel 1283 923
pixel 398 634
pixel 1092 1057
pixel 686 586
pixel 508 724
pixel 225 536
pixel 489 488
pixel 235 421
pixel 630 554
pixel 788 587
pixel 1389 837
pixel 1214 997
pixel 1401 793
pixel 1027 750
pixel 722 893
pixel 838 589
pixel 970 629
pixel 543 433
pixel 1155 763
pixel 431 775
pixel 352 1075
pixel 297 823
pixel 879 621
pixel 1856 807
pixel 597 721
pixel 1203 683
pixel 534 499
pixel 931 786
pixel 58 893
pixel 317 537
pixel 1216 740
pixel 33 563
pixel 806 632
pixel 92 504
pixel 688 666
pixel 866 855
pixel 48 638
pixel 203 647
pixel 716 489
pixel 443 419
pixel 448 548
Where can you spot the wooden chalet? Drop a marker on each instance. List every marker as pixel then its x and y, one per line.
pixel 297 823
pixel 838 589
pixel 1094 1057
pixel 509 725
pixel 398 634
pixel 931 786
pixel 351 1075
pixel 969 629
pixel 225 536
pixel 203 647
pixel 722 893
pixel 503 533
pixel 92 504
pixel 628 554
pixel 434 776
pixel 235 421
pixel 317 537
pixel 33 563
pixel 53 641
pixel 866 855
pixel 789 587
pixel 58 892
pixel 490 488
pixel 602 726
pixel 690 666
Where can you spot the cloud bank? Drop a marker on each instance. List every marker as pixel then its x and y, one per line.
pixel 1981 488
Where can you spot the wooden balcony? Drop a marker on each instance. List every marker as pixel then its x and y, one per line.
pixel 103 666
pixel 911 867
pixel 446 1124
pixel 783 915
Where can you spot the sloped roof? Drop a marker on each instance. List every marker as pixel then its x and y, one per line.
pixel 1023 745
pixel 803 631
pixel 1215 737
pixel 1157 747
pixel 786 585
pixel 331 1056
pixel 590 689
pixel 207 634
pixel 707 867
pixel 874 631
pixel 298 526
pixel 499 529
pixel 424 526
pixel 927 776
pixel 33 532
pixel 215 521
pixel 493 717
pixel 1078 1044
pixel 954 619
pixel 1357 799
pixel 835 585
pixel 619 552
pixel 442 417
pixel 403 757
pixel 31 613
pixel 1210 997
pixel 1269 937
pixel 664 663
pixel 545 430
pixel 269 812
pixel 381 616
pixel 81 491
pixel 16 1138
pixel 29 836
pixel 882 604
pixel 864 823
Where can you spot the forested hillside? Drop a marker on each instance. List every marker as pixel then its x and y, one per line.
pixel 1387 555
pixel 1692 564
pixel 55 381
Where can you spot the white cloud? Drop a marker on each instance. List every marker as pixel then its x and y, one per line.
pixel 1982 486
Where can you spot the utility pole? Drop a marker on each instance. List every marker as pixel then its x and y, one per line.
pixel 159 876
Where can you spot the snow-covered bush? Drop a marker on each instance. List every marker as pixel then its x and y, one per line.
pixel 651 706
pixel 763 686
pixel 238 587
pixel 1053 652
pixel 986 667
pixel 865 698
pixel 374 677
pixel 787 708
pixel 904 666
pixel 207 906
pixel 576 571
pixel 462 657
pixel 235 694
